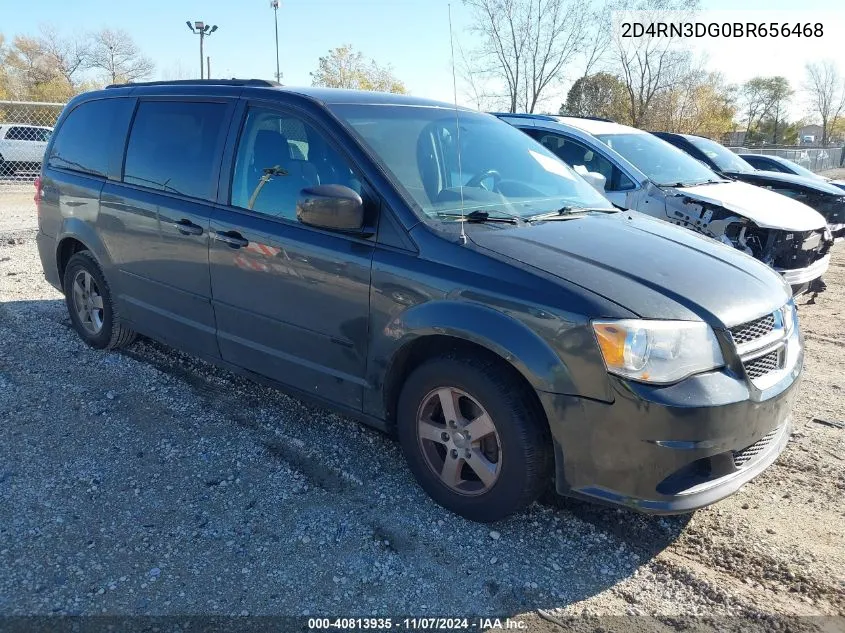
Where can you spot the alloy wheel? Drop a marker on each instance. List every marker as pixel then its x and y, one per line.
pixel 459 441
pixel 88 302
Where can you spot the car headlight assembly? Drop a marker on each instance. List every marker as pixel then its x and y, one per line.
pixel 659 352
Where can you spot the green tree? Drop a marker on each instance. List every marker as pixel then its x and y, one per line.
pixel 601 94
pixel 344 67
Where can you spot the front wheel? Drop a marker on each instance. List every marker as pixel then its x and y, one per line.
pixel 473 437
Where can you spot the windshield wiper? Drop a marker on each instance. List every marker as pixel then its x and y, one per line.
pixel 693 183
pixel 564 212
pixel 483 216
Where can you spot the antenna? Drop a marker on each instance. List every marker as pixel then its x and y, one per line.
pixel 458 130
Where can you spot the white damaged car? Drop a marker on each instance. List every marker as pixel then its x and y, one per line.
pixel 636 170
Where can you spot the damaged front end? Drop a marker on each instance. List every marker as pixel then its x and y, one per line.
pixel 829 201
pixel 801 257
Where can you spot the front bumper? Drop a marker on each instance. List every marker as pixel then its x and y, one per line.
pixel 798 276
pixel 674 449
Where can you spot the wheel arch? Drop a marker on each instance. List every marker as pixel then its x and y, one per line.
pixel 437 328
pixel 426 347
pixel 78 236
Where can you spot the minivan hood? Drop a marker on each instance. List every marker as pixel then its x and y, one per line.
pixel 767 209
pixel 774 178
pixel 648 266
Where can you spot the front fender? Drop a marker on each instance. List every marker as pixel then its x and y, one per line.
pixel 539 358
pixel 496 331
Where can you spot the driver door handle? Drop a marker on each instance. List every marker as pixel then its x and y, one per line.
pixel 232 238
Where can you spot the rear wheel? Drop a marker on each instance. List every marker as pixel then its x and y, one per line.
pixel 473 437
pixel 90 304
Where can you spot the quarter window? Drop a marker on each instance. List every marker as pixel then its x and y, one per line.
pixel 278 156
pixel 87 137
pixel 175 146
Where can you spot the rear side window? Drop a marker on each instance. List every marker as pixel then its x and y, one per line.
pixel 87 138
pixel 174 146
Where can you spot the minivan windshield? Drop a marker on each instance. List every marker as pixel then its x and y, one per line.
pixel 494 167
pixel 721 156
pixel 664 164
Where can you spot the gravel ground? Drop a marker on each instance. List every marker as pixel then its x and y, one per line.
pixel 147 482
pixel 834 173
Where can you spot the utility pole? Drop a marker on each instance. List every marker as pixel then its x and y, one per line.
pixel 208 67
pixel 203 30
pixel 274 4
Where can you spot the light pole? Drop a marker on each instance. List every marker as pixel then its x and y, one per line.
pixel 203 30
pixel 274 4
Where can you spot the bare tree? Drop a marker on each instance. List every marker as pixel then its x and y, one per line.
pixel 764 98
pixel 69 56
pixel 598 41
pixel 826 90
pixel 526 45
pixel 118 57
pixel 474 80
pixel 177 71
pixel 650 65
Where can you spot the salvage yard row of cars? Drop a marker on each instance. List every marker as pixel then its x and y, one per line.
pixel 792 233
pixel 530 302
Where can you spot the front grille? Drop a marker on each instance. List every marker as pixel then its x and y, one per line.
pixel 762 365
pixel 747 454
pixel 753 330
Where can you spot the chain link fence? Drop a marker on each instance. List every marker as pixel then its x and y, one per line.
pixel 25 128
pixel 815 159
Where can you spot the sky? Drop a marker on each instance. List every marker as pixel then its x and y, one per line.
pixel 410 35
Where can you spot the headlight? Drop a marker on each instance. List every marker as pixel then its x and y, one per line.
pixel 657 351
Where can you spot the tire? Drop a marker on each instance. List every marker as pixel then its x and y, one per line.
pixel 102 329
pixel 519 448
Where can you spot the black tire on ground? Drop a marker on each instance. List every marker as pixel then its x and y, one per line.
pixel 114 333
pixel 526 455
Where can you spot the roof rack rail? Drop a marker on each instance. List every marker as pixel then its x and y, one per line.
pixel 525 115
pixel 266 83
pixel 591 118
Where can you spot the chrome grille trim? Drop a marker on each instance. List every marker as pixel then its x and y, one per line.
pixel 752 330
pixel 762 365
pixel 762 346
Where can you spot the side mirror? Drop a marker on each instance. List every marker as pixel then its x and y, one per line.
pixel 597 180
pixel 333 207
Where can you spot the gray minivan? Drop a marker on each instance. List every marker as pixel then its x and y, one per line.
pixel 436 274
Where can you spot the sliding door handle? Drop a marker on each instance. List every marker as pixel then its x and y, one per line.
pixel 186 227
